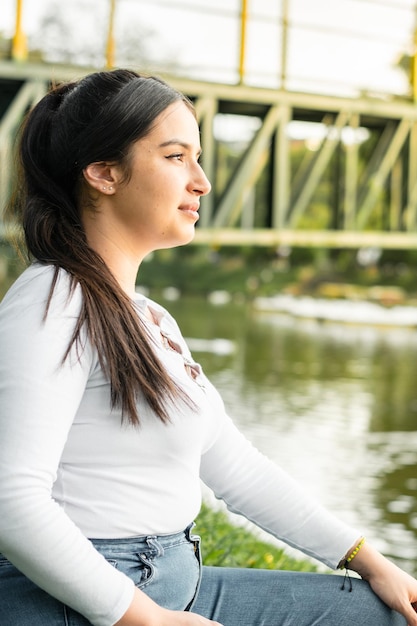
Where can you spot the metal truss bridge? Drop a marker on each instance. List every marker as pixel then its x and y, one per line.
pixel 343 193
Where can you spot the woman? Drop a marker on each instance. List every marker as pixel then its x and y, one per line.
pixel 107 424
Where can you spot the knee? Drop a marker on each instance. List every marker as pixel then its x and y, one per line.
pixel 365 607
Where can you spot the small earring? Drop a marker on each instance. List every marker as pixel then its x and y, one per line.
pixel 110 188
pixel 104 188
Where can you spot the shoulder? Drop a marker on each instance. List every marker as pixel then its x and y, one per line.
pixel 33 287
pixel 29 295
pixel 34 322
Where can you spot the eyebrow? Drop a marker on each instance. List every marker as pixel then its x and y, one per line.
pixel 178 142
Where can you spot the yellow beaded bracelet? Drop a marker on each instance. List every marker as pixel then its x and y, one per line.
pixel 355 551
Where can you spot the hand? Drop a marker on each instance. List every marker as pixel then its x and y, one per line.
pixel 145 612
pixel 394 586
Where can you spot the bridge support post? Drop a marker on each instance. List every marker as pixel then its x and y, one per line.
pixel 19 43
pixel 282 174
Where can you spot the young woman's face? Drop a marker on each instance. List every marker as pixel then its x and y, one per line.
pixel 158 205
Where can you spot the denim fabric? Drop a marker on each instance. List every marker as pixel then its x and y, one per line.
pixel 168 569
pixel 253 597
pixel 22 603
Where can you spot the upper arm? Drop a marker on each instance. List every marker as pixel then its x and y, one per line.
pixel 39 393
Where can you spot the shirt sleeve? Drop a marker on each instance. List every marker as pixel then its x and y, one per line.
pixel 257 488
pixel 39 397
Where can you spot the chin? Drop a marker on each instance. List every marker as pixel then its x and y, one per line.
pixel 176 242
pixel 186 238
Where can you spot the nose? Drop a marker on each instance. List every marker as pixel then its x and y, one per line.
pixel 200 185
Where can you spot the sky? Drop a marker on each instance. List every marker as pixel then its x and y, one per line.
pixel 340 47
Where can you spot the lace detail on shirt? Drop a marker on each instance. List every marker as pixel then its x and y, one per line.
pixel 193 369
pixel 154 320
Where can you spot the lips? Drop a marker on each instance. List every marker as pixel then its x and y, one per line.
pixel 191 210
pixel 190 207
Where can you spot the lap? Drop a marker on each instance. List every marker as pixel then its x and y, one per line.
pixel 251 597
pixel 231 596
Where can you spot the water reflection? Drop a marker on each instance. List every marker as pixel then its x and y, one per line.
pixel 336 405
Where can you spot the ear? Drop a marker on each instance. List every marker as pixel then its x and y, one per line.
pixel 102 176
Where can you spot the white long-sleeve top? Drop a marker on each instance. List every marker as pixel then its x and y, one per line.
pixel 71 470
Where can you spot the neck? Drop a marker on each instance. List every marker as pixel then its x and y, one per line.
pixel 117 255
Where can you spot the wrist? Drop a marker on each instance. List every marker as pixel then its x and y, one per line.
pixel 367 562
pixel 142 611
pixel 344 563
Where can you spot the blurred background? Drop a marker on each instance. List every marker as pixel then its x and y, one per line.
pixel 338 47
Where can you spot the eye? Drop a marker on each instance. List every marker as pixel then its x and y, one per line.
pixel 177 156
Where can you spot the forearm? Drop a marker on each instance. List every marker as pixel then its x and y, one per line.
pixel 265 494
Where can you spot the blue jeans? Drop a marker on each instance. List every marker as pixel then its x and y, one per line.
pixel 168 569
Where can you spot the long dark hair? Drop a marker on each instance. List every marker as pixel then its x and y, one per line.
pixel 75 124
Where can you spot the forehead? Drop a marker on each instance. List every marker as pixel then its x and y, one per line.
pixel 176 122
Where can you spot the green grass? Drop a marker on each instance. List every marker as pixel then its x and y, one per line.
pixel 227 545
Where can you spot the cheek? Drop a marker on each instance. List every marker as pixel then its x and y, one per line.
pixel 151 188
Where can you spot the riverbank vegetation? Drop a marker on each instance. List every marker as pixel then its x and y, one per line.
pixel 388 277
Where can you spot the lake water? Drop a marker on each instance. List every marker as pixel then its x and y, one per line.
pixel 336 405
